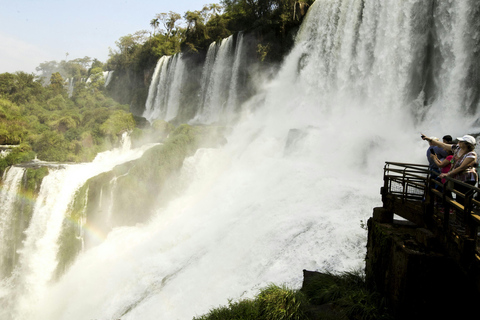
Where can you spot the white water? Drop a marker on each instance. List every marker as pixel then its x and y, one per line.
pixel 219 79
pixel 163 101
pixel 218 93
pixel 107 75
pixel 38 257
pixel 9 193
pixel 300 171
pixel 238 64
pixel 158 91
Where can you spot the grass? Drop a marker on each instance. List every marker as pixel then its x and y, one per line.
pixel 323 296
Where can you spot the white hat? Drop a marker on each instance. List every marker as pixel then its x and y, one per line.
pixel 468 139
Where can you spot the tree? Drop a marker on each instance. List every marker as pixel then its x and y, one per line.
pixel 57 84
pixel 127 48
pixel 154 23
pixel 215 8
pixel 168 20
pixel 84 62
pixel 96 64
pixel 96 79
pixel 46 69
pixel 211 10
pixel 193 18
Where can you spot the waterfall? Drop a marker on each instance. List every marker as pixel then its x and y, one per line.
pixel 107 75
pixel 69 84
pixel 157 86
pixel 223 69
pixel 38 256
pixel 165 89
pixel 9 194
pixel 207 72
pixel 219 79
pixel 239 64
pixel 299 176
pixel 222 78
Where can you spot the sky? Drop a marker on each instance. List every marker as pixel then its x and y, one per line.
pixel 36 31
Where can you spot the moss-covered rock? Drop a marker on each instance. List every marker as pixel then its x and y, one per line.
pixel 71 238
pixel 131 192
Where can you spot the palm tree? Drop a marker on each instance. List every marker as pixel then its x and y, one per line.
pixel 173 17
pixel 215 8
pixel 154 23
pixel 192 18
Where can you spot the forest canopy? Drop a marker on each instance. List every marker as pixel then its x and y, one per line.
pixel 196 30
pixel 47 121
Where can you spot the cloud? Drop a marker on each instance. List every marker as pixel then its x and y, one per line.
pixel 17 55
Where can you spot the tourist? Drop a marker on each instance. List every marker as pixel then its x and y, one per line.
pixel 444 164
pixel 464 161
pixel 447 139
pixel 436 150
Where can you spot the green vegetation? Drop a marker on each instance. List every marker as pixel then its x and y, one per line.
pixel 74 69
pixel 47 122
pixel 57 124
pixel 33 179
pixel 272 19
pixel 71 240
pixel 272 303
pixel 155 173
pixel 273 23
pixel 324 296
pixel 23 153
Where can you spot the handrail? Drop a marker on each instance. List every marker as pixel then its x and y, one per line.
pixel 415 183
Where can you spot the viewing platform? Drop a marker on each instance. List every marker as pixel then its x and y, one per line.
pixel 423 251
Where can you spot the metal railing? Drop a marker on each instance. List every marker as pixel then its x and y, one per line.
pixel 415 185
pixel 405 181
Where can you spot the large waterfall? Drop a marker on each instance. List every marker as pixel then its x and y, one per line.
pixel 220 91
pixel 165 89
pixel 300 173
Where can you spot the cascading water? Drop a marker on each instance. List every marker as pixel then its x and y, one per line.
pixel 107 75
pixel 155 101
pixel 8 197
pixel 163 99
pixel 38 256
pixel 233 91
pixel 218 92
pixel 219 78
pixel 301 169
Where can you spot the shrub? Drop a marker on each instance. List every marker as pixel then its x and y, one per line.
pixel 22 153
pixel 272 303
pixel 281 303
pixel 243 309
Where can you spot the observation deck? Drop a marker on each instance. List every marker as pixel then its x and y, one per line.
pixel 412 192
pixel 423 251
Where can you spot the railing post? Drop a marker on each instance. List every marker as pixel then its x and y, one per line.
pixel 446 206
pixel 384 190
pixel 429 202
pixel 468 206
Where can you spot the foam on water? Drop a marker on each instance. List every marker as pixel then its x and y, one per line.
pixel 301 171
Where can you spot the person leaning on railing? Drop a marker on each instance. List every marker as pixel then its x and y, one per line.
pixel 464 161
pixel 445 164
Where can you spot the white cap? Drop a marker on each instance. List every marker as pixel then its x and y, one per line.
pixel 468 139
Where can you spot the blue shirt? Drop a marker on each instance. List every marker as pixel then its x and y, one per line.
pixel 441 154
